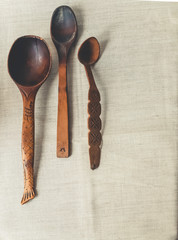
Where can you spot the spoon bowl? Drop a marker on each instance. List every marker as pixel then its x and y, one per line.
pixel 29 63
pixel 63 25
pixel 89 51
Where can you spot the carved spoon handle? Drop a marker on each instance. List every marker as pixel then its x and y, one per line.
pixel 28 147
pixel 94 121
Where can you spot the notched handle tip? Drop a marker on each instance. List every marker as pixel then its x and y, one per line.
pixel 27 196
pixel 62 152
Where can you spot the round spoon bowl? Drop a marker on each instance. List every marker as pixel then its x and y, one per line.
pixel 29 61
pixel 89 51
pixel 63 25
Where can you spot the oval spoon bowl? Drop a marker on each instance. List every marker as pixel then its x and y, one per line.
pixel 29 61
pixel 89 51
pixel 63 25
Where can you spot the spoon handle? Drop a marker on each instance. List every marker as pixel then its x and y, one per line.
pixel 94 121
pixel 28 146
pixel 62 119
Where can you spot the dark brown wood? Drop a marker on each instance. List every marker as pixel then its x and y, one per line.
pixel 63 33
pixel 29 64
pixel 88 54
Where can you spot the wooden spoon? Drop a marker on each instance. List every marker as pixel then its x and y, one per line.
pixel 63 33
pixel 29 63
pixel 88 54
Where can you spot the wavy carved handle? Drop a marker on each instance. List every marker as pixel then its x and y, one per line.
pixel 94 121
pixel 28 147
pixel 94 125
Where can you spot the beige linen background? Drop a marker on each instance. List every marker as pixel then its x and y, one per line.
pixel 133 194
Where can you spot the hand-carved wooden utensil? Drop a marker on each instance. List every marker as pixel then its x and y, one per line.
pixel 63 33
pixel 88 54
pixel 29 64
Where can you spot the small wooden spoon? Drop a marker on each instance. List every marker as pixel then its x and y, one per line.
pixel 29 63
pixel 88 54
pixel 63 33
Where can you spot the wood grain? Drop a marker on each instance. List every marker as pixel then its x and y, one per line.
pixel 94 121
pixel 62 119
pixel 28 146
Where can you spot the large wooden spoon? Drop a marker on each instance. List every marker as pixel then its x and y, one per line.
pixel 88 54
pixel 29 64
pixel 63 33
